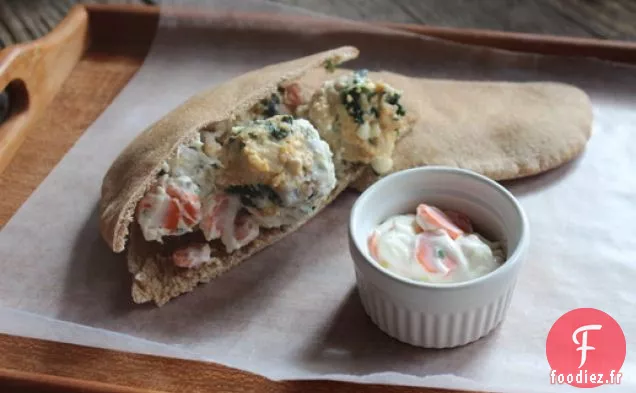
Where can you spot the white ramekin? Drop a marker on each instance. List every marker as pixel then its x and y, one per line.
pixel 438 315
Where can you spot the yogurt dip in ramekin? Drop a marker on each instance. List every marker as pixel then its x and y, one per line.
pixel 438 314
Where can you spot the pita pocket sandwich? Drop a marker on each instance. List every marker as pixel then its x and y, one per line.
pixel 237 167
pixel 503 130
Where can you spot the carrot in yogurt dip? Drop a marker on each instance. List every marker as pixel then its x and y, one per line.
pixel 434 246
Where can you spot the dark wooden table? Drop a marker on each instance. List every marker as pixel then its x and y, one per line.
pixel 22 20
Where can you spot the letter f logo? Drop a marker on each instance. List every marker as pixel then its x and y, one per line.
pixel 584 347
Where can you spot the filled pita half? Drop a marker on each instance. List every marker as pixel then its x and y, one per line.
pixel 503 130
pixel 238 167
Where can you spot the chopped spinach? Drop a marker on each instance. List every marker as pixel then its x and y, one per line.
pixel 394 99
pixel 277 133
pixel 329 65
pixel 350 98
pixel 250 193
pixel 270 105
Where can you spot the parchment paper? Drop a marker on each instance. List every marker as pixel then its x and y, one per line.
pixel 292 312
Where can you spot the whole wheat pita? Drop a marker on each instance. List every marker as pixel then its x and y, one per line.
pixel 503 130
pixel 133 172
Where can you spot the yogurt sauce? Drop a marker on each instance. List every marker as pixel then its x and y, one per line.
pixel 434 246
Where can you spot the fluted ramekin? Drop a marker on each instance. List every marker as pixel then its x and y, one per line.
pixel 435 315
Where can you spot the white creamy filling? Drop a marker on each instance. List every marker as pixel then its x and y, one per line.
pixel 396 242
pixel 309 178
pixel 157 205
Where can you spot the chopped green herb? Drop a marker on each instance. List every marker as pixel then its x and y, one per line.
pixel 440 253
pixel 375 112
pixel 394 99
pixel 367 91
pixel 270 105
pixel 287 119
pixel 350 98
pixel 329 65
pixel 249 193
pixel 277 133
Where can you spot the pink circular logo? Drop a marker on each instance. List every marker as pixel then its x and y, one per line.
pixel 586 348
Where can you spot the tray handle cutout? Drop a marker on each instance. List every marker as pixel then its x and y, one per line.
pixel 32 73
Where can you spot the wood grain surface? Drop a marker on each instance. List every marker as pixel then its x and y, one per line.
pixel 22 20
pixel 68 367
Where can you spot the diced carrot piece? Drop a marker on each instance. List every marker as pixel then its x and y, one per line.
pixel 373 246
pixel 182 258
pixel 245 229
pixel 450 263
pixel 424 253
pixel 171 218
pixel 460 219
pixel 292 96
pixel 193 213
pixel 437 218
pixel 244 226
pixel 212 221
pixel 192 255
pixel 189 202
pixel 144 204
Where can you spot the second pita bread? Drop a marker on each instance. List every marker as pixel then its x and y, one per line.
pixel 502 130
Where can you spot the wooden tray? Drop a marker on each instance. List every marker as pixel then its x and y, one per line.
pixel 57 86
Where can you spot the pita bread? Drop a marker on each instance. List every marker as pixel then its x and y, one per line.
pixel 502 130
pixel 157 279
pixel 137 166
